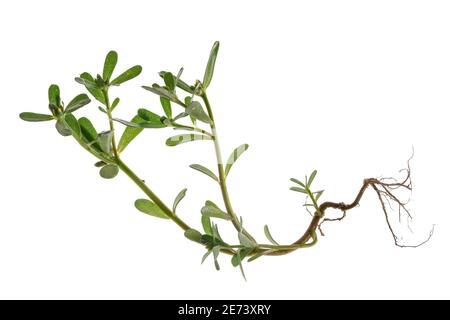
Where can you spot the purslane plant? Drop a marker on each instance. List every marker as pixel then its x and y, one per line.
pixel 195 121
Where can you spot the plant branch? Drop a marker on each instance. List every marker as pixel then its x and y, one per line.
pixel 221 170
pixel 111 123
pixel 140 183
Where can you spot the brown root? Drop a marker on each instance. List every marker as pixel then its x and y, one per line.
pixel 387 190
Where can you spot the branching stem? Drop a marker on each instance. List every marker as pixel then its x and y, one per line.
pixel 221 171
pixel 383 187
pixel 111 122
pixel 151 195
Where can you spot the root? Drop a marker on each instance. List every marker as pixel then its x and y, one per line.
pixel 344 214
pixel 387 190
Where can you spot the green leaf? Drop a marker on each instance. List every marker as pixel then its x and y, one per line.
pixel 178 198
pixel 109 171
pixel 72 123
pixel 195 110
pixel 131 73
pixel 167 107
pixel 193 235
pixel 128 123
pixel 180 83
pixel 215 229
pixel 143 124
pixel 319 194
pixel 115 103
pixel 56 111
pixel 129 134
pixel 54 95
pixel 297 189
pixel 100 164
pixel 169 80
pixel 150 208
pixel 213 211
pixel 204 170
pixel 87 129
pixel 152 125
pixel 236 259
pixel 210 241
pixel 62 128
pixel 179 116
pixel 311 178
pixel 210 66
pixel 177 126
pixel 88 81
pixel 245 241
pixel 78 102
pixel 183 138
pixel 147 115
pixel 242 271
pixel 35 117
pixel 206 255
pixel 298 182
pixel 206 223
pixel 110 64
pixel 269 236
pixel 216 251
pixel 163 92
pixel 234 156
pixel 100 82
pixel 180 72
pixel 105 141
pixel 241 224
pixel 239 256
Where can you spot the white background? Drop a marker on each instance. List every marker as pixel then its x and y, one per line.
pixel 345 87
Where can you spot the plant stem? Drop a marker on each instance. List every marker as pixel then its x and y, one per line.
pixel 140 183
pixel 151 194
pixel 285 247
pixel 111 123
pixel 220 168
pixel 314 201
